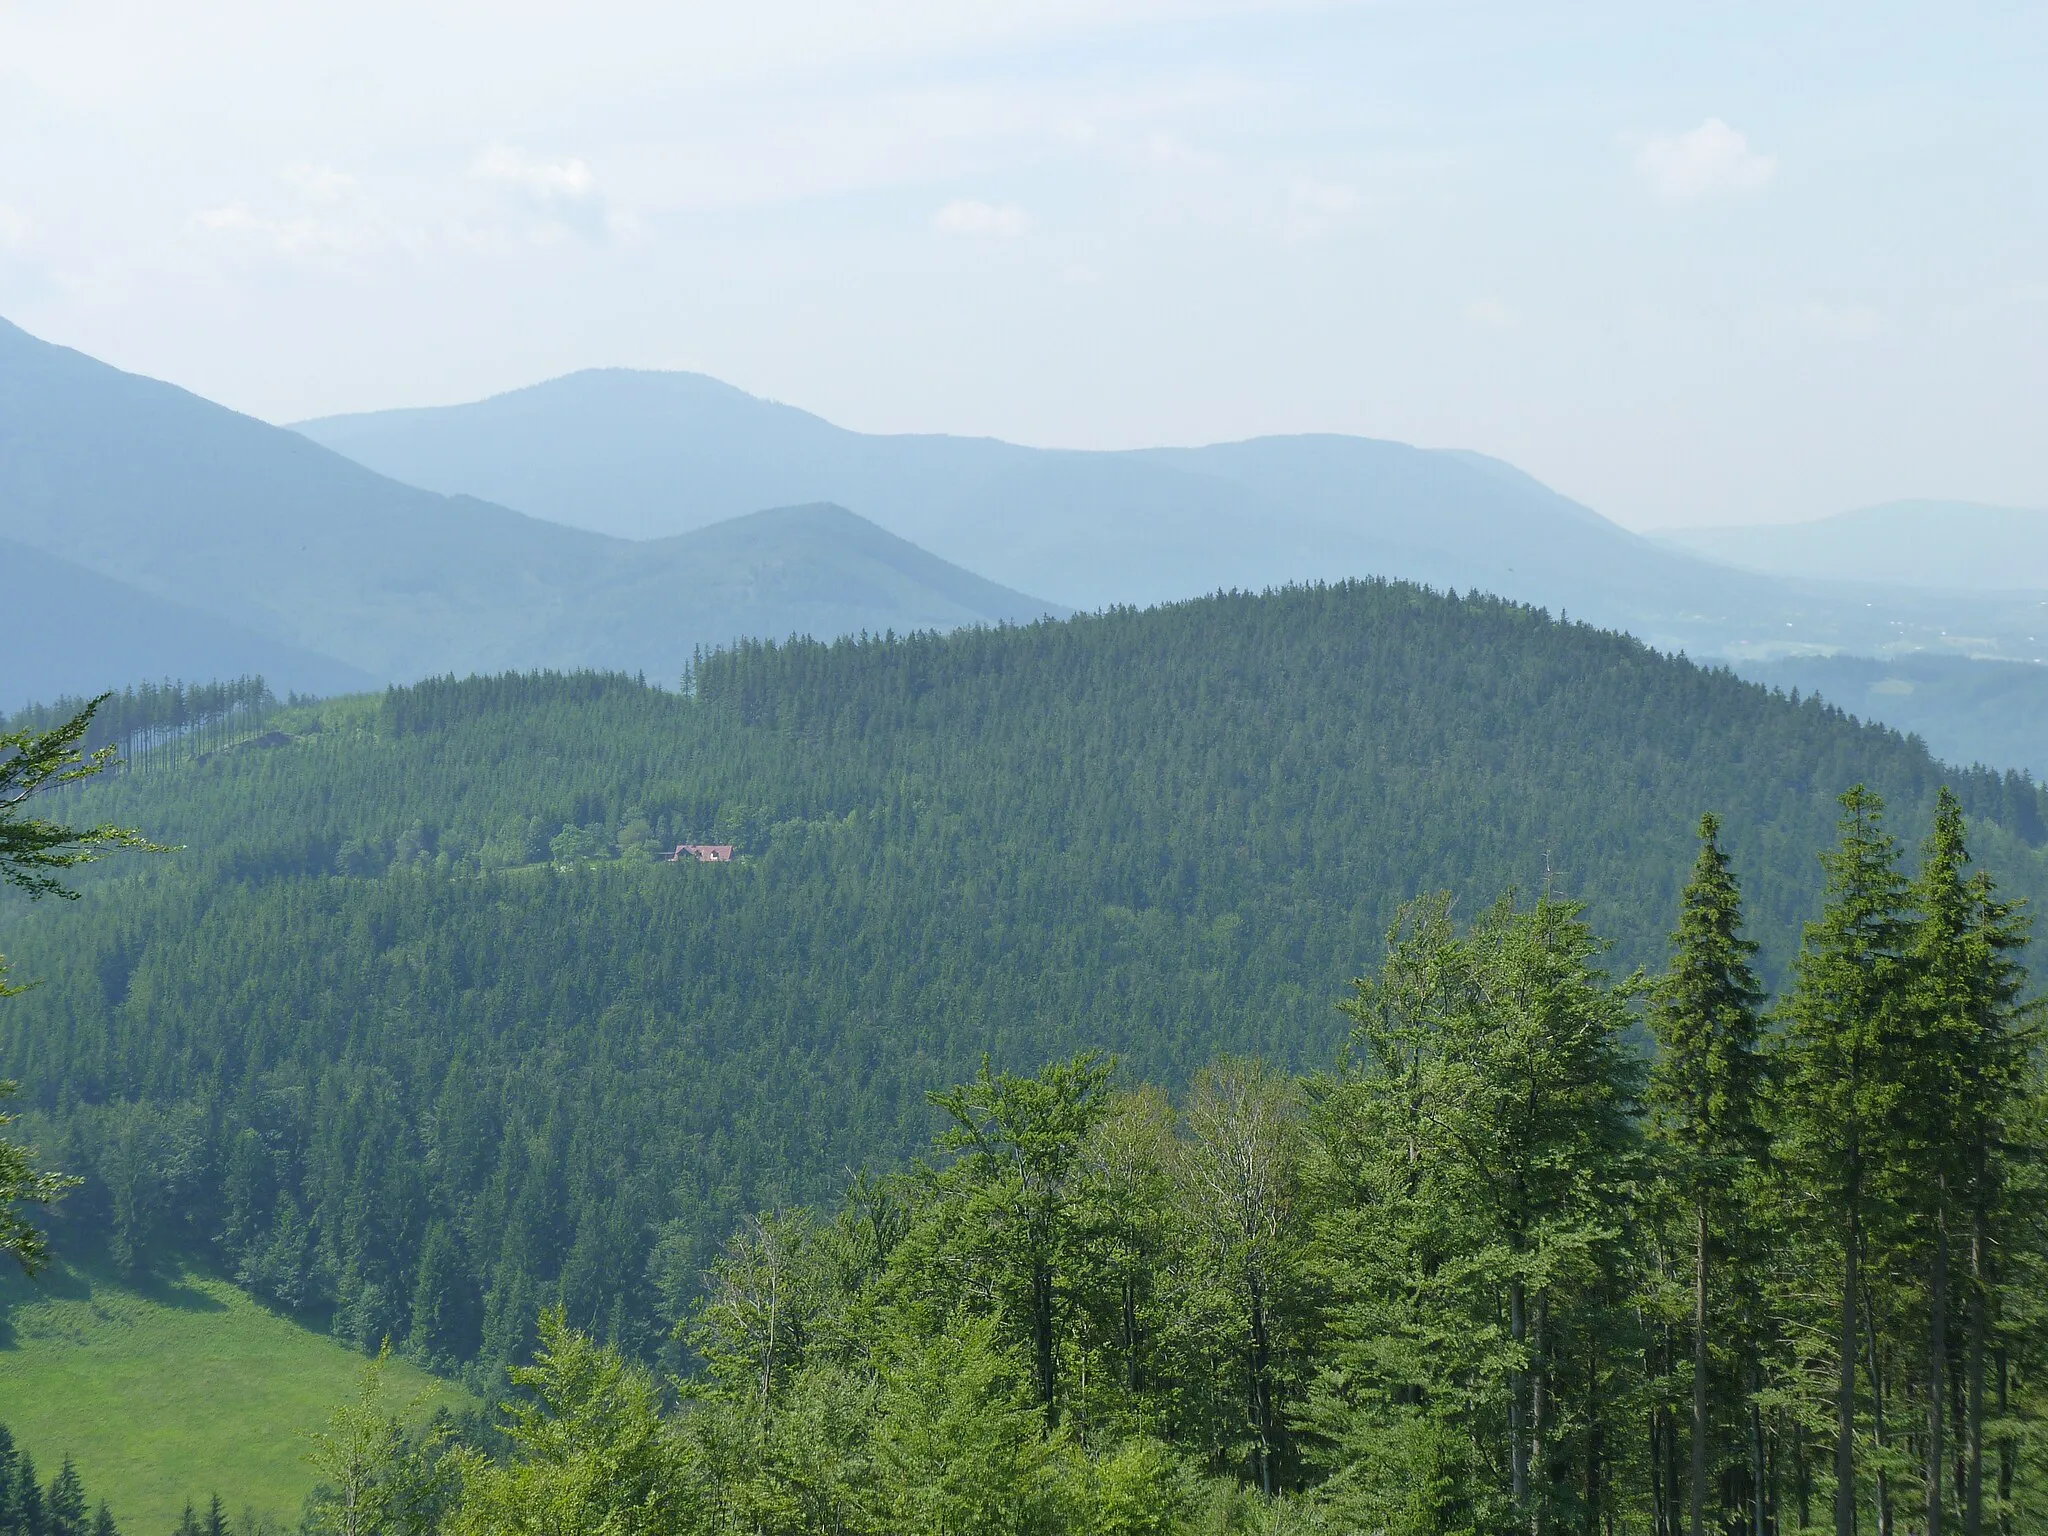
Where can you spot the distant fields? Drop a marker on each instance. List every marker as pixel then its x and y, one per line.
pixel 174 1392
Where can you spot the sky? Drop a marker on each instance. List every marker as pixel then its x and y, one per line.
pixel 1702 263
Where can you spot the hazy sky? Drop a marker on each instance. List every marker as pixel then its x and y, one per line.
pixel 1712 262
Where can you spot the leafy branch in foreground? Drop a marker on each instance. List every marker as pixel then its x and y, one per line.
pixel 37 762
pixel 31 849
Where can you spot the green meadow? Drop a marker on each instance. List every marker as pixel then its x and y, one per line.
pixel 174 1391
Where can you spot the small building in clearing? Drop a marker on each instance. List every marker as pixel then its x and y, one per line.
pixel 703 853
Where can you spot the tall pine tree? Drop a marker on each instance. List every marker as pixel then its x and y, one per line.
pixel 1845 1018
pixel 1706 1012
pixel 1966 1077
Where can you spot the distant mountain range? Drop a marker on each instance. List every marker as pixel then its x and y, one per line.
pixel 644 454
pixel 1962 545
pixel 202 542
pixel 648 454
pixel 615 519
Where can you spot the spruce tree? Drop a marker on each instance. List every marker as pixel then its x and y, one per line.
pixel 30 1516
pixel 1845 1018
pixel 1706 1012
pixel 1966 1070
pixel 103 1521
pixel 64 1504
pixel 9 1524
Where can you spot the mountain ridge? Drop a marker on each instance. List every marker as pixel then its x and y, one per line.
pixel 187 503
pixel 636 451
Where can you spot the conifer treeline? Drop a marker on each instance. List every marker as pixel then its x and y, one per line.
pixel 415 1037
pixel 59 1508
pixel 1486 1275
pixel 155 724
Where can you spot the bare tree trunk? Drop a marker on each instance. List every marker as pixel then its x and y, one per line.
pixel 1539 1384
pixel 1041 1327
pixel 1973 1423
pixel 1698 1522
pixel 1131 1379
pixel 1671 1462
pixel 1660 1517
pixel 1595 1441
pixel 2005 1449
pixel 1518 1450
pixel 1845 1392
pixel 1877 1429
pixel 1802 1474
pixel 1756 1461
pixel 1262 1386
pixel 1937 1364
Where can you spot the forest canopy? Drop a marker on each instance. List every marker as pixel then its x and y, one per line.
pixel 421 1034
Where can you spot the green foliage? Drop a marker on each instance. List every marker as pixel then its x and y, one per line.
pixel 1706 1118
pixel 424 1046
pixel 590 1453
pixel 959 1444
pixel 32 849
pixel 28 1508
pixel 376 1476
pixel 410 1074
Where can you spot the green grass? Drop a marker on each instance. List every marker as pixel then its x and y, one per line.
pixel 174 1391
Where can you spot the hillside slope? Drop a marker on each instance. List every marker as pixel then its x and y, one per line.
pixel 78 633
pixel 420 960
pixel 147 485
pixel 1966 711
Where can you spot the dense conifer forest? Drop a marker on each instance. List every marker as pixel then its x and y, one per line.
pixel 1378 1209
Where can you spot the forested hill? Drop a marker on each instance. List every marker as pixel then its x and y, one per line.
pixel 418 1030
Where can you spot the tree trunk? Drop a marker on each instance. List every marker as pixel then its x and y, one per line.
pixel 2005 1450
pixel 1845 1392
pixel 1518 1450
pixel 1041 1327
pixel 1973 1422
pixel 1262 1386
pixel 1659 1524
pixel 1595 1441
pixel 1802 1474
pixel 1756 1465
pixel 1539 1383
pixel 1698 1522
pixel 1131 1379
pixel 1937 1364
pixel 1877 1429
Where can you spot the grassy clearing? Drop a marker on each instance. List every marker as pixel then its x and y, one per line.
pixel 172 1391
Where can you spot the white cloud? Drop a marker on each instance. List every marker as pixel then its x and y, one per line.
pixel 13 228
pixel 328 223
pixel 1852 322
pixel 320 183
pixel 1316 208
pixel 1712 160
pixel 1490 314
pixel 295 237
pixel 547 180
pixel 560 196
pixel 1002 221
